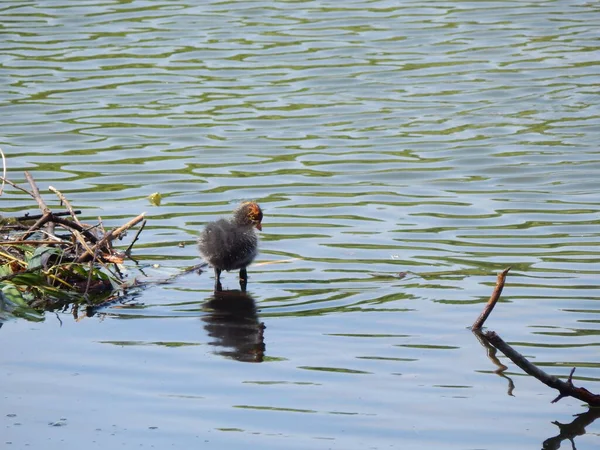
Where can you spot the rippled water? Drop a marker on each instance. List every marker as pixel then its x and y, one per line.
pixel 403 153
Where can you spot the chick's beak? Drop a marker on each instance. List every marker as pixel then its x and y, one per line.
pixel 258 226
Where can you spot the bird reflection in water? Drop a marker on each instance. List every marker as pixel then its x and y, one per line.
pixel 232 321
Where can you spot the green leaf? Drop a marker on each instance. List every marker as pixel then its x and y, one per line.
pixel 40 256
pixel 11 297
pixel 78 269
pixel 5 270
pixel 13 304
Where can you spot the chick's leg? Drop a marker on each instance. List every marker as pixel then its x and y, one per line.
pixel 218 286
pixel 243 279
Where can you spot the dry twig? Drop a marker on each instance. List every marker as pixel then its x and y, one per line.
pixel 65 202
pixel 3 171
pixel 36 194
pixel 135 238
pixel 489 307
pixel 109 237
pixel 28 216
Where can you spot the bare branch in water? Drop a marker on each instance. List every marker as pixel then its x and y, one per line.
pixel 565 389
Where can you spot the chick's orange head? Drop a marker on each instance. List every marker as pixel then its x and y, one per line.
pixel 255 214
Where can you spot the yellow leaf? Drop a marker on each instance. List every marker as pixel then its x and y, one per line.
pixel 155 198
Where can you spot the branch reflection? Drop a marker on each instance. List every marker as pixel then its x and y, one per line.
pixel 491 354
pixel 570 431
pixel 232 321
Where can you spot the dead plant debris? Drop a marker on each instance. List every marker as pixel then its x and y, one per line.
pixel 52 259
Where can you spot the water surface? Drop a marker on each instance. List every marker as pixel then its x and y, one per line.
pixel 403 153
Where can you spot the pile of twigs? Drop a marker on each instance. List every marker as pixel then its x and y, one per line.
pixel 51 259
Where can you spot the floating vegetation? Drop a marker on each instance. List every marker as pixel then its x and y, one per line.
pixel 51 260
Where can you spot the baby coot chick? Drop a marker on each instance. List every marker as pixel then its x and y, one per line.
pixel 231 244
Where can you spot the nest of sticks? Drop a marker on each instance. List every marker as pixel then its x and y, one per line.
pixel 53 258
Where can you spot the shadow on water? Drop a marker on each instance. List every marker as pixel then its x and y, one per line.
pixel 232 322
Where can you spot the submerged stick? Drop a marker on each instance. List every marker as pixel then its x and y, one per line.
pixel 489 307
